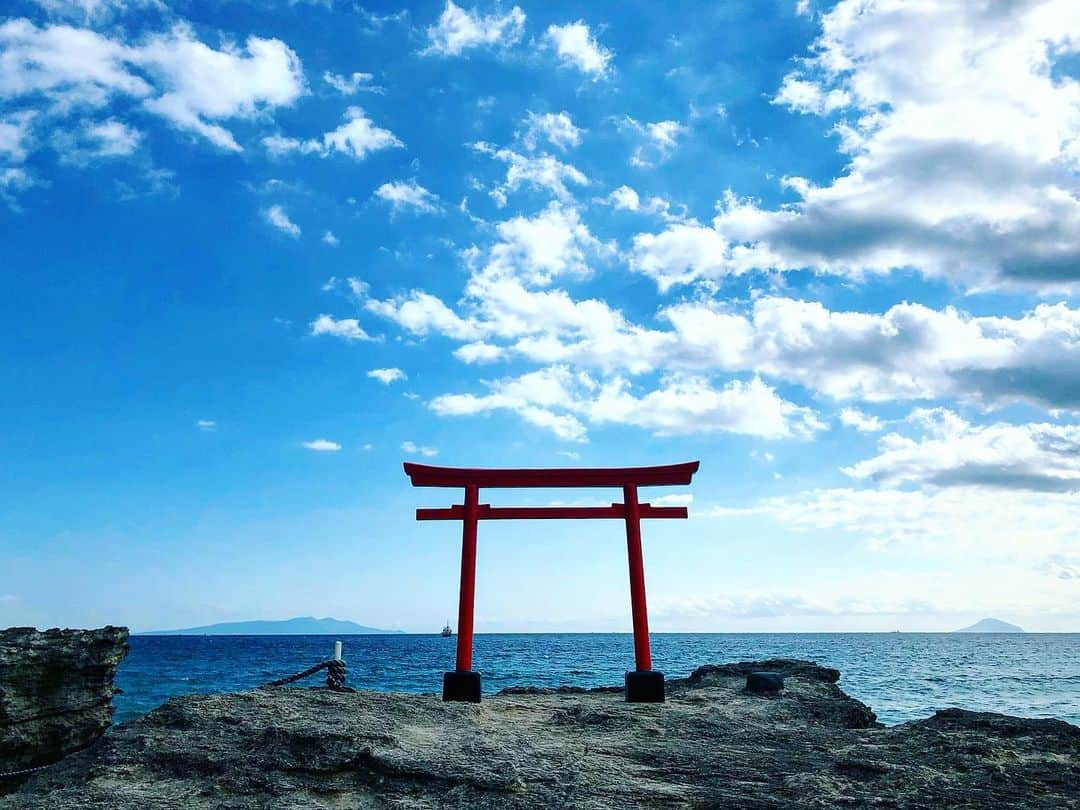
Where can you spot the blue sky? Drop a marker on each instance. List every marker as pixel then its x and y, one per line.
pixel 257 254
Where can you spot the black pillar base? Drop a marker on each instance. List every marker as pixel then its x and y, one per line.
pixel 461 686
pixel 645 686
pixel 765 683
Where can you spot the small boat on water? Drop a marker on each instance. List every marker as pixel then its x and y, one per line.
pixel 447 631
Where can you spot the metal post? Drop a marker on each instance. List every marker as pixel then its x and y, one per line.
pixel 468 580
pixel 642 656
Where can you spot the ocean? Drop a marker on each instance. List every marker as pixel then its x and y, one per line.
pixel 902 676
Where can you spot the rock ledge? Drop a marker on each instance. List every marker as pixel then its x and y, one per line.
pixel 711 745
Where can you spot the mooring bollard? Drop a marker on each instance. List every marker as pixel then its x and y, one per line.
pixel 337 650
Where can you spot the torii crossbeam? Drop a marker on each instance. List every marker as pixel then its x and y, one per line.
pixel 643 685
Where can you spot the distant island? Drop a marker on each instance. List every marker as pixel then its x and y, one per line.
pixel 299 626
pixel 991 626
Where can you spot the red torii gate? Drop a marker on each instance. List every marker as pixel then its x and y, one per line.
pixel 643 685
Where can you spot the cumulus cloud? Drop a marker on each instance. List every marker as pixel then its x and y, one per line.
pixel 206 425
pixel 328 238
pixel 577 48
pixel 536 171
pixel 862 422
pixel 908 352
pixel 94 140
pixel 561 401
pixel 415 449
pixel 322 446
pixel 657 140
pixel 174 75
pixel 556 128
pixel 344 328
pixel 624 198
pixel 15 136
pixel 387 375
pixel 963 145
pixel 408 195
pixel 1037 457
pixel 458 30
pixel 353 83
pixel 357 137
pixel 277 217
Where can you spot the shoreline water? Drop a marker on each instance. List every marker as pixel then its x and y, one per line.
pixel 903 676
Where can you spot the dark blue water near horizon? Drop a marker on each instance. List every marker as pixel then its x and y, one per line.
pixel 902 676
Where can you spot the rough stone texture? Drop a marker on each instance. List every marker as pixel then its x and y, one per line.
pixel 56 690
pixel 711 745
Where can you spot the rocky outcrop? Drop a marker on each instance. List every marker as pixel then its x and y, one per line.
pixel 56 690
pixel 711 745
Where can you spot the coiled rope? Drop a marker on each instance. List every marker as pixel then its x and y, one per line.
pixel 335 676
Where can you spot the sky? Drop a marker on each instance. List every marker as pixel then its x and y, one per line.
pixel 255 255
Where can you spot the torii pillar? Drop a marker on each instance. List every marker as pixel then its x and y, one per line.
pixel 643 684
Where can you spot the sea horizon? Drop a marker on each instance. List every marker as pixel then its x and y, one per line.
pixel 901 676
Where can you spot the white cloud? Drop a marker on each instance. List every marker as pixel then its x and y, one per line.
pixel 540 172
pixel 458 30
pixel 176 76
pixel 908 352
pixel 556 128
pixel 422 313
pixel 322 446
pixel 414 449
pixel 991 523
pixel 558 399
pixel 113 137
pixel 963 145
pixel 682 253
pixel 577 48
pixel 1034 457
pixel 625 198
pixel 658 140
pixel 277 217
pixel 408 195
pixel 387 375
pixel 329 239
pixel 345 328
pixel 862 422
pixel 809 97
pixel 679 499
pixel 206 425
pixel 91 11
pixel 15 138
pixel 352 84
pixel 357 137
pixel 203 84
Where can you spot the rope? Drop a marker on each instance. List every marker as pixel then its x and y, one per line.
pixel 335 676
pixel 24 771
pixel 335 682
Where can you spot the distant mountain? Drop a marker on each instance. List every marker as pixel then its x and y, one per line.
pixel 991 626
pixel 300 626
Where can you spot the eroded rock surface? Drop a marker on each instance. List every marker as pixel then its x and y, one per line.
pixel 56 690
pixel 711 745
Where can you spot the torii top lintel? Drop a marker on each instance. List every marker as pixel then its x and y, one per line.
pixel 425 475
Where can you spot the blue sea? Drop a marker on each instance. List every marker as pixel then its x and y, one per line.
pixel 902 676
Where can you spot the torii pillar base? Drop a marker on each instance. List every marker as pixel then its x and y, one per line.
pixel 645 686
pixel 463 687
